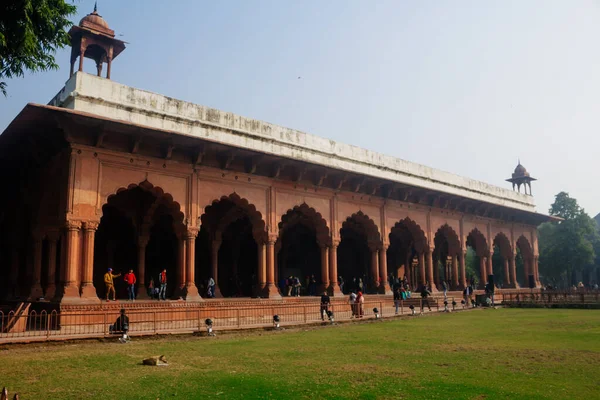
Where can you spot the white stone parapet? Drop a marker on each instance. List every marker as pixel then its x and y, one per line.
pixel 109 99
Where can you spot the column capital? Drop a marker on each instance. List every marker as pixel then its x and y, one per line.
pixel 73 225
pixel 90 225
pixel 334 243
pixel 272 239
pixel 191 233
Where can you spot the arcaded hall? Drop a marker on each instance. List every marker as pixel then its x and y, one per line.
pixel 110 176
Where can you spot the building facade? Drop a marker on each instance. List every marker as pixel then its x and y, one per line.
pixel 106 175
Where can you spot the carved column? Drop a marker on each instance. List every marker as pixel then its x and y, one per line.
pixel 463 269
pixel 262 269
pixel 334 288
pixel 430 276
pixel 455 281
pixel 191 291
pixel 271 290
pixel 325 278
pixel 88 291
pixel 536 272
pixel 506 272
pixel 69 290
pixel 513 272
pixel 383 272
pixel 422 276
pixel 81 54
pixel 490 267
pixel 52 236
pixel 482 272
pixel 214 265
pixel 35 292
pixel 181 256
pixel 375 268
pixel 141 290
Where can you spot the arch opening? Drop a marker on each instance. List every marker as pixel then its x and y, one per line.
pixel 476 260
pixel 445 258
pixel 405 254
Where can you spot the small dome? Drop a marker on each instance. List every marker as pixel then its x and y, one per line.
pixel 93 20
pixel 520 169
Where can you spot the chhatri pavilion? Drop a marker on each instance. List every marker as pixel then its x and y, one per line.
pixel 107 175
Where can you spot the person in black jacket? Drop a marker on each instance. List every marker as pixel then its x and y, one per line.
pixel 325 303
pixel 425 297
pixel 397 297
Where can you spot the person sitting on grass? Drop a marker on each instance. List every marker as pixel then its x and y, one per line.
pixel 121 326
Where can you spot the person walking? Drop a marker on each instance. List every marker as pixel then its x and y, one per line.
pixel 162 279
pixel 425 298
pixel 445 289
pixel 397 298
pixel 130 281
pixel 110 285
pixel 352 302
pixel 360 302
pixel 325 303
pixel 151 288
pixel 341 283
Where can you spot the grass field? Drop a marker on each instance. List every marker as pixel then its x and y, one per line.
pixel 489 354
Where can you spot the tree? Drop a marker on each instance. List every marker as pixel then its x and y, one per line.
pixel 30 33
pixel 566 247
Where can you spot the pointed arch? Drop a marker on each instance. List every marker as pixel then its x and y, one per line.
pixel 503 243
pixel 228 209
pixel 309 217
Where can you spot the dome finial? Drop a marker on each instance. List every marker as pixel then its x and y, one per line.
pixel 96 6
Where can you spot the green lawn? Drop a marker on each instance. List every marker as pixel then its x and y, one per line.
pixel 489 354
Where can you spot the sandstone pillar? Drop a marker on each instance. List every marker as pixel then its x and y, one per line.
pixel 334 288
pixel 536 273
pixel 214 265
pixel 69 288
pixel 191 291
pixel 181 256
pixel 383 271
pixel 325 278
pixel 482 272
pixel 141 290
pixel 506 273
pixel 422 277
pixel 88 291
pixel 430 276
pixel 262 269
pixel 271 291
pixel 35 292
pixel 455 281
pixel 513 272
pixel 374 269
pixel 463 269
pixel 53 236
pixel 490 267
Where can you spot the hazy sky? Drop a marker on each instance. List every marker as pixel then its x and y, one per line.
pixel 464 86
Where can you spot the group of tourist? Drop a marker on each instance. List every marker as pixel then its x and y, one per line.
pixel 357 304
pixel 158 292
pixel 292 286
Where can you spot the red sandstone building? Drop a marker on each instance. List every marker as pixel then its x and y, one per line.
pixel 106 175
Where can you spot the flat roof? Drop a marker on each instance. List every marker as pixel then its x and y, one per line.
pixel 107 99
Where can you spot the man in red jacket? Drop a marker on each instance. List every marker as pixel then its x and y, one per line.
pixel 130 280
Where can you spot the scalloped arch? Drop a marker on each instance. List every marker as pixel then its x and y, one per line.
pixel 242 208
pixel 477 240
pixel 525 247
pixel 448 233
pixel 418 235
pixel 304 214
pixel 503 243
pixel 161 198
pixel 363 224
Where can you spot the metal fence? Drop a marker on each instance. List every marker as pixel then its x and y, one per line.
pixel 552 297
pixel 42 326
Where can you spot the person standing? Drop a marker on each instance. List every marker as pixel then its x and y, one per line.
pixel 352 302
pixel 151 288
pixel 162 278
pixel 130 281
pixel 397 298
pixel 325 303
pixel 211 287
pixel 425 298
pixel 445 288
pixel 341 283
pixel 360 302
pixel 110 285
